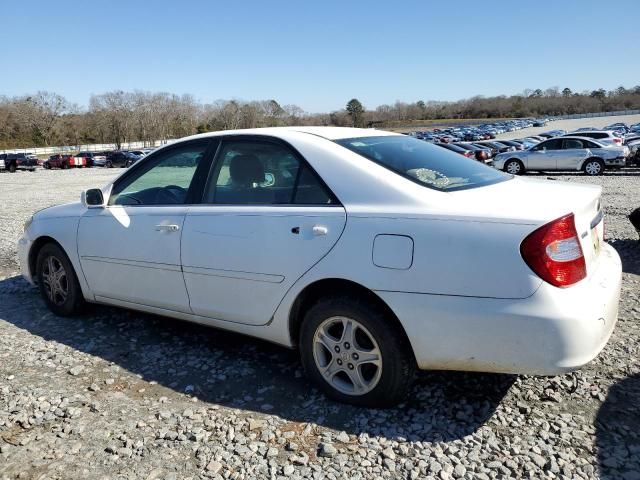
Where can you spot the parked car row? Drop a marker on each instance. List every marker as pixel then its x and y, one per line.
pixel 486 131
pixel 589 150
pixel 108 159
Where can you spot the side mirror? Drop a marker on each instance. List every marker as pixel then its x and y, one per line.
pixel 92 198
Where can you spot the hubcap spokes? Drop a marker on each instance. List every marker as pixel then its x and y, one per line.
pixel 347 355
pixel 54 278
pixel 593 168
pixel 513 168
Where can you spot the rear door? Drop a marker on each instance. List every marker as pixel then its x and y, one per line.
pixel 266 218
pixel 574 152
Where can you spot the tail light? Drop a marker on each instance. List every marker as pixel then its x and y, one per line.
pixel 554 253
pixel 468 153
pixel 617 141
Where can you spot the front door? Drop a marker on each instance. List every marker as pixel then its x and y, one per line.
pixel 130 250
pixel 544 155
pixel 266 219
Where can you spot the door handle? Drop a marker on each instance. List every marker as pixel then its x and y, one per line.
pixel 167 228
pixel 319 230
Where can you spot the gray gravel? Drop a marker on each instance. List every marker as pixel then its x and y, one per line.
pixel 119 394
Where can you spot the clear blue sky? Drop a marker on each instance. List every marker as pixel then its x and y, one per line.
pixel 317 54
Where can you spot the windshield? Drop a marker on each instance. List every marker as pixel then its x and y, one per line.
pixel 424 163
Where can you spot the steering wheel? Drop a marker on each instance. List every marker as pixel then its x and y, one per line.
pixel 171 194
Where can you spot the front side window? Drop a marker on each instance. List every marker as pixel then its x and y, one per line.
pixel 163 179
pixel 262 173
pixel 553 144
pixel 423 163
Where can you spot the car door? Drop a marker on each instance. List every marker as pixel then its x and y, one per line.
pixel 543 155
pixel 130 250
pixel 265 219
pixel 574 152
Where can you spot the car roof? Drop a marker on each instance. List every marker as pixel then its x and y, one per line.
pixel 580 137
pixel 592 131
pixel 330 133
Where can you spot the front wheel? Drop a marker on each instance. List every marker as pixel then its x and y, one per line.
pixel 58 282
pixel 108 164
pixel 514 167
pixel 355 353
pixel 12 168
pixel 593 167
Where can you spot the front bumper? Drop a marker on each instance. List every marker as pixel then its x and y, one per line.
pixel 24 246
pixel 553 331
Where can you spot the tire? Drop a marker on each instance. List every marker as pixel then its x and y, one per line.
pixel 384 381
pixel 62 295
pixel 108 164
pixel 593 167
pixel 514 167
pixel 65 166
pixel 12 168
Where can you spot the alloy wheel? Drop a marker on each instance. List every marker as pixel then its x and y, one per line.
pixel 593 168
pixel 347 355
pixel 54 278
pixel 513 168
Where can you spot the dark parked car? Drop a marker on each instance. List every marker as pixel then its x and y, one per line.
pixel 480 153
pixel 119 159
pixel 497 145
pixel 18 161
pixel 92 159
pixel 457 149
pixel 512 143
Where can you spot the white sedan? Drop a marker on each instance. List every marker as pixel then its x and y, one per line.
pixel 371 252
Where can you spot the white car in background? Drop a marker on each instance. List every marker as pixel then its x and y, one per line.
pixel 373 253
pixel 601 136
pixel 563 153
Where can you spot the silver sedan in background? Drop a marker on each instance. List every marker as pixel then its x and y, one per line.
pixel 563 153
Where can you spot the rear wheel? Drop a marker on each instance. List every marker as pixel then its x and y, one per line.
pixel 108 164
pixel 12 168
pixel 514 167
pixel 58 282
pixel 355 353
pixel 593 167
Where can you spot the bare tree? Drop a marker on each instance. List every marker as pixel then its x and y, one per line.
pixel 40 112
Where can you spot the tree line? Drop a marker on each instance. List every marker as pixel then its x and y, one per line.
pixel 47 118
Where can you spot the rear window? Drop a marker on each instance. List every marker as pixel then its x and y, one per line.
pixel 423 163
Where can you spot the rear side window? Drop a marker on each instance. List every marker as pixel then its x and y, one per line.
pixel 423 163
pixel 250 172
pixel 572 143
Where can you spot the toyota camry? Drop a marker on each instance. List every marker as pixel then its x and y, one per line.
pixel 372 253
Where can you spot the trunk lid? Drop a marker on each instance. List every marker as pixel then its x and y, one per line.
pixel 537 202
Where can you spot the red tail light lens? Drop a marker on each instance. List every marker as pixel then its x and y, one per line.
pixel 617 140
pixel 554 253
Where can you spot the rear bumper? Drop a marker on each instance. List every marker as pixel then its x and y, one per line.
pixel 615 162
pixel 553 331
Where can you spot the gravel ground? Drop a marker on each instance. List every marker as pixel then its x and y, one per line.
pixel 119 394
